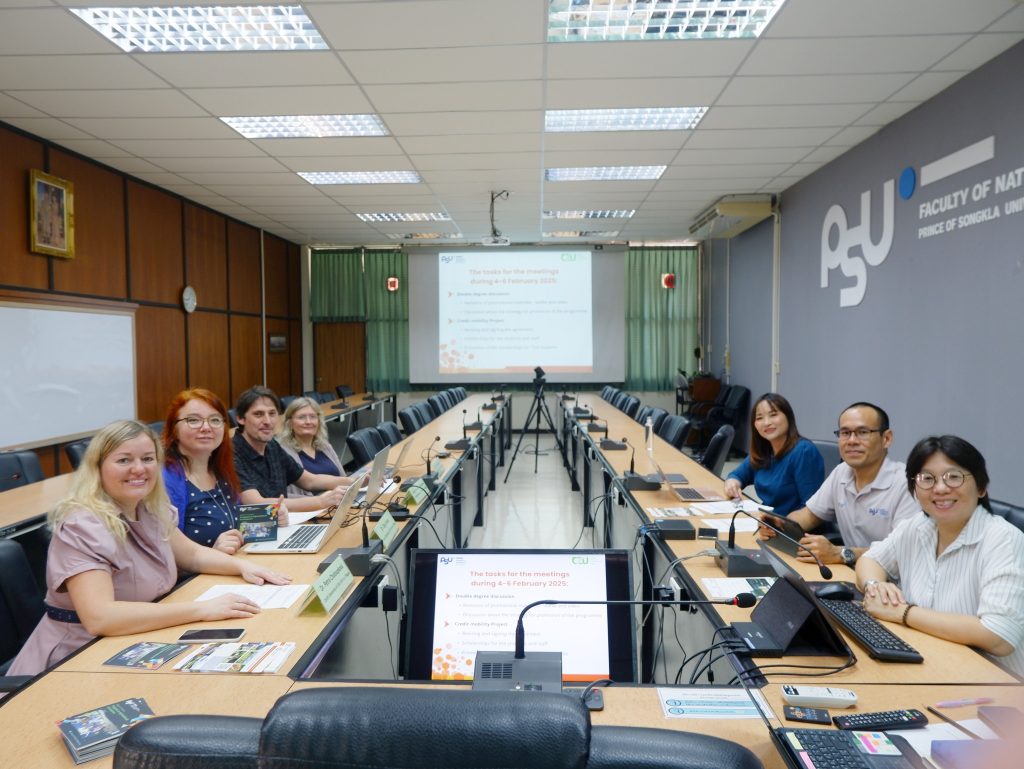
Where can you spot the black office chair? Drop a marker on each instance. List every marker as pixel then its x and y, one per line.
pixel 390 433
pixel 717 450
pixel 612 392
pixel 731 411
pixel 606 391
pixel 233 418
pixel 461 393
pixel 1013 513
pixel 437 405
pixel 324 396
pixel 21 608
pixel 642 413
pixel 425 411
pixel 630 406
pixel 75 451
pixel 410 419
pixel 385 728
pixel 618 399
pixel 829 451
pixel 450 397
pixel 674 430
pixel 364 444
pixel 19 468
pixel 343 391
pixel 286 400
pixel 312 395
pixel 657 416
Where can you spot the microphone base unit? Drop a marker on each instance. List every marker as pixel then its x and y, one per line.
pixel 460 445
pixel 673 529
pixel 489 406
pixel 594 427
pixel 356 558
pixel 582 412
pixel 501 671
pixel 608 444
pixel 478 425
pixel 498 398
pixel 742 562
pixel 637 482
pixel 397 510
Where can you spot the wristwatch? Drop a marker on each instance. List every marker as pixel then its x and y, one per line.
pixel 849 557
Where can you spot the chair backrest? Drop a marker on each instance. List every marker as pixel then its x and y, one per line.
pixel 673 429
pixel 364 444
pixel 233 417
pixel 610 395
pixel 434 728
pixel 1013 513
pixel 286 400
pixel 390 433
pixel 718 449
pixel 642 413
pixel 630 406
pixel 618 399
pixel 829 451
pixel 312 394
pixel 76 451
pixel 19 468
pixel 410 419
pixel 657 416
pixel 606 391
pixel 21 603
pixel 438 404
pixel 343 391
pixel 324 396
pixel 426 413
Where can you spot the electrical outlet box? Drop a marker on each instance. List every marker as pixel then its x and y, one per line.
pixel 382 583
pixel 677 589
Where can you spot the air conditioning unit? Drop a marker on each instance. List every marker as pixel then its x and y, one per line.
pixel 731 215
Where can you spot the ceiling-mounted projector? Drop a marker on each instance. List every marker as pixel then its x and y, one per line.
pixel 496 238
pixel 492 240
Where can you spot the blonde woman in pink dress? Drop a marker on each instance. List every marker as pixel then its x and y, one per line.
pixel 116 548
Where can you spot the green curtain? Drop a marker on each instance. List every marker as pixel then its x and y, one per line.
pixel 336 286
pixel 661 323
pixel 387 321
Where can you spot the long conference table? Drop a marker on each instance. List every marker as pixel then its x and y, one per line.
pixel 345 646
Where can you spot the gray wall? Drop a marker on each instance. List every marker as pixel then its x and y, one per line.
pixel 939 334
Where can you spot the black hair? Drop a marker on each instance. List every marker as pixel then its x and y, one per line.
pixel 958 450
pixel 883 418
pixel 253 394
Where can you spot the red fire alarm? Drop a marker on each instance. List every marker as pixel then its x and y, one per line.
pixel 668 280
pixel 392 283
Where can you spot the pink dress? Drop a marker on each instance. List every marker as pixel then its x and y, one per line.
pixel 142 569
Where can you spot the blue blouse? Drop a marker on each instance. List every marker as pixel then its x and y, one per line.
pixel 788 482
pixel 321 464
pixel 202 515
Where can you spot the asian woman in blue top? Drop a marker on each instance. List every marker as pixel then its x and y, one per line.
pixel 784 468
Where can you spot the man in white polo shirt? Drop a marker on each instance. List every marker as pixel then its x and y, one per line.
pixel 866 495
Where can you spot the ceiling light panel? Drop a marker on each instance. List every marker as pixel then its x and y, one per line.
pixel 637 119
pixel 205 28
pixel 582 234
pixel 589 20
pixel 604 173
pixel 404 217
pixel 609 214
pixel 306 126
pixel 424 236
pixel 360 177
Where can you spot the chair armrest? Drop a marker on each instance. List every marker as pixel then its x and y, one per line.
pixel 190 742
pixel 10 683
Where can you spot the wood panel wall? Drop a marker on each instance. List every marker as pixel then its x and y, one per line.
pixel 138 243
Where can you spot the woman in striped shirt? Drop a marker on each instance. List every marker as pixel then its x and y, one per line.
pixel 959 568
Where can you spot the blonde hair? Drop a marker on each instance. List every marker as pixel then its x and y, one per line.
pixel 87 486
pixel 287 436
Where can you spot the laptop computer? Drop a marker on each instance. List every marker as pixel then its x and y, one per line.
pixel 307 537
pixel 676 483
pixel 391 469
pixel 376 485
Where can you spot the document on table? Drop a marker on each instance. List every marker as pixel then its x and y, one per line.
pixel 710 702
pixel 921 739
pixel 721 525
pixel 727 588
pixel 668 512
pixel 728 507
pixel 266 596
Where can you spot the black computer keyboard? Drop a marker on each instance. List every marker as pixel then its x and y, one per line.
pixel 686 492
pixel 881 644
pixel 837 750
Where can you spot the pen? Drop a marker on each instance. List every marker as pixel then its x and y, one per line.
pixel 953 723
pixel 962 703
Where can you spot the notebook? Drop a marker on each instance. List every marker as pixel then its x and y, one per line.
pixel 307 537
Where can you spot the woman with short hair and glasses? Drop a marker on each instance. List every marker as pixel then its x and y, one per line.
pixel 955 571
pixel 304 438
pixel 199 469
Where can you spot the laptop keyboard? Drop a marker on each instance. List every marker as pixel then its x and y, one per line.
pixel 686 492
pixel 303 536
pixel 870 633
pixel 831 749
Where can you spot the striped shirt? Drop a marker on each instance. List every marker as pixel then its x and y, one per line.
pixel 980 573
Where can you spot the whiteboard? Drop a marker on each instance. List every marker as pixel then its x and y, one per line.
pixel 66 372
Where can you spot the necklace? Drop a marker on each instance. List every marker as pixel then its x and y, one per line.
pixel 217 496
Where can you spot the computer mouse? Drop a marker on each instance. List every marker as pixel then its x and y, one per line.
pixel 836 591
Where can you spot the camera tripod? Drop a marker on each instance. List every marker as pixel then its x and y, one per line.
pixel 538 408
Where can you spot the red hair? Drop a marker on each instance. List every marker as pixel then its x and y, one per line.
pixel 222 460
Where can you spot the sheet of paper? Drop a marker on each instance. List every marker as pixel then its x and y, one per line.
pixel 921 739
pixel 721 525
pixel 668 512
pixel 266 596
pixel 726 588
pixel 710 702
pixel 726 507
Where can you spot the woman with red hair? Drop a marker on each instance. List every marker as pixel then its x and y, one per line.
pixel 199 470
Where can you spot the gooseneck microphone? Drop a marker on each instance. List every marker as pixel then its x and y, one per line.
pixel 464 435
pixel 437 439
pixel 746 562
pixel 463 443
pixel 743 600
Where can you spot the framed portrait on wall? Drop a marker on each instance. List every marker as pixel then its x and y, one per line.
pixel 51 215
pixel 278 343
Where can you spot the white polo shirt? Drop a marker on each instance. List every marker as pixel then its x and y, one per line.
pixel 870 514
pixel 981 573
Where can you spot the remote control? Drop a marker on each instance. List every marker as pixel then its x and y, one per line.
pixel 818 696
pixel 883 721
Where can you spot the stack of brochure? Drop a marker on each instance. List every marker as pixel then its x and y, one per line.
pixel 95 733
pixel 249 657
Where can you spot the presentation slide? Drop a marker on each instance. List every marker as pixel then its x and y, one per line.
pixel 494 315
pixel 497 318
pixel 479 597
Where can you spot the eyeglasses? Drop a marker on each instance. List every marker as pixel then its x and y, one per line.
pixel 953 479
pixel 862 433
pixel 195 422
pixel 306 418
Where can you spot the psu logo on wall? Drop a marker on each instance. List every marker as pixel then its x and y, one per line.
pixel 851 249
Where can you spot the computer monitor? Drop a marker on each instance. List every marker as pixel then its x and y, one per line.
pixel 465 601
